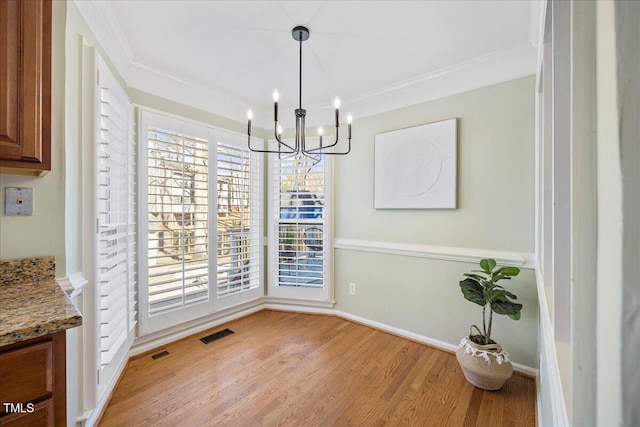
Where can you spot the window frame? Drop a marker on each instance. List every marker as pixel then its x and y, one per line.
pixel 214 304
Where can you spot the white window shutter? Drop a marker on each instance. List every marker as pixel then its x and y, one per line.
pixel 200 197
pixel 300 228
pixel 178 220
pixel 116 216
pixel 238 222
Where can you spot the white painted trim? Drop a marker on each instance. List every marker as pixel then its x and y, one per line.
pixel 100 18
pixel 549 377
pixel 447 253
pixel 299 308
pixel 296 304
pixel 73 285
pixel 91 417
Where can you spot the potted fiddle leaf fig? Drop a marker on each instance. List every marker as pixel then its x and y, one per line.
pixel 484 362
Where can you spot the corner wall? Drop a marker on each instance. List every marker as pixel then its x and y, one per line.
pixel 495 213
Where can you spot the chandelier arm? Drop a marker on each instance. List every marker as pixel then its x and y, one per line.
pixel 257 150
pixel 320 150
pixel 280 142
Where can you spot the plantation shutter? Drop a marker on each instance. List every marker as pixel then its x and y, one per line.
pixel 238 222
pixel 116 216
pixel 300 254
pixel 201 200
pixel 178 220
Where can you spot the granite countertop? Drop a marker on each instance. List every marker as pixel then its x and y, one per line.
pixel 32 306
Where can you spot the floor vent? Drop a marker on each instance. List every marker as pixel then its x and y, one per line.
pixel 159 355
pixel 221 334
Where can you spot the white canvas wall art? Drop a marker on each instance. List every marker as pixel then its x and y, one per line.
pixel 415 168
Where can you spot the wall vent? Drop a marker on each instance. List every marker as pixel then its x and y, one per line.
pixel 159 355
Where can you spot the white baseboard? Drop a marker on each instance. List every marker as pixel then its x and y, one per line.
pixel 90 418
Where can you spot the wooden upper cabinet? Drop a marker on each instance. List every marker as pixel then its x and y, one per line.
pixel 25 86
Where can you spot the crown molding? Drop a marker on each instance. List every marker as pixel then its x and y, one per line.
pixel 193 94
pixel 483 71
pixel 486 70
pixel 102 21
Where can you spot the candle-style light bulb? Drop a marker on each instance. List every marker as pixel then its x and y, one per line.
pixel 279 130
pixel 249 115
pixel 349 119
pixel 276 97
pixel 336 103
pixel 320 131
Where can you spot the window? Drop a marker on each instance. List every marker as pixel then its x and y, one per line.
pixel 238 230
pixel 299 250
pixel 178 266
pixel 191 172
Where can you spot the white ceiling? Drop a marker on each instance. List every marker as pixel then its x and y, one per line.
pixel 228 56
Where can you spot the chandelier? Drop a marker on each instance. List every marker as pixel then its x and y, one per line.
pixel 299 146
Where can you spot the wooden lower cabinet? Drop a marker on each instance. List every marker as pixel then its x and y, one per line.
pixel 33 382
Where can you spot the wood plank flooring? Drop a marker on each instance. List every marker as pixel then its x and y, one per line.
pixel 289 369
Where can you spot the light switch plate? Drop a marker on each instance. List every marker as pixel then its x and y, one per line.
pixel 18 201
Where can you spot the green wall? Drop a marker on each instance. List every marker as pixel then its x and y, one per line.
pixel 495 212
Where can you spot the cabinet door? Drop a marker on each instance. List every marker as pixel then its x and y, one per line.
pixel 33 381
pixel 27 373
pixel 25 84
pixel 40 414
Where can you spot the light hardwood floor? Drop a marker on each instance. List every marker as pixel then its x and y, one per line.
pixel 290 369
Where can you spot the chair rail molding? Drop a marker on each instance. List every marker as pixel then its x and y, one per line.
pixel 447 253
pixel 73 285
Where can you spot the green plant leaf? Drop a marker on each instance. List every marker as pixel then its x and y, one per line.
pixel 485 264
pixel 497 277
pixel 510 295
pixel 476 277
pixel 495 295
pixel 503 306
pixel 472 291
pixel 509 271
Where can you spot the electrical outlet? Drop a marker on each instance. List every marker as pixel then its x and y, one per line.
pixel 352 288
